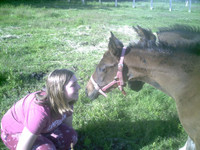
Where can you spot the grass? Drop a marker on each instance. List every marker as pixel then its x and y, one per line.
pixel 38 37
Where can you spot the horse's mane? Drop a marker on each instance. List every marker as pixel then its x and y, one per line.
pixel 176 38
pixel 180 28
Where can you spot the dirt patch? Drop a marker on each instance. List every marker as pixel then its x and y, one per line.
pixel 126 34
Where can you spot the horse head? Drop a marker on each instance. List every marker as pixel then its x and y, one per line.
pixel 104 78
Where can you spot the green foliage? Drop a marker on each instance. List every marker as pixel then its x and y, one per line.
pixel 37 37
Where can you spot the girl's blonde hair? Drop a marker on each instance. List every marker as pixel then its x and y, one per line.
pixel 54 96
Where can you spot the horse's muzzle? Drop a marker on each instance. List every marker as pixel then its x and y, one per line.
pixel 93 95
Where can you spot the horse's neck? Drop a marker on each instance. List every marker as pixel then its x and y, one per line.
pixel 170 74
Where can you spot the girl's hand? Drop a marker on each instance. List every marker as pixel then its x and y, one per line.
pixel 68 121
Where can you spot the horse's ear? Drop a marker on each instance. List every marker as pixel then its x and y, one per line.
pixel 115 46
pixel 145 35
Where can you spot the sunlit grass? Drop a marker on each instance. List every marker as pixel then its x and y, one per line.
pixel 36 38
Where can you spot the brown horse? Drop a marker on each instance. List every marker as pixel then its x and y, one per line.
pixel 168 60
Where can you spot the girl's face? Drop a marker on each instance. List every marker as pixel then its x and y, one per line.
pixel 71 90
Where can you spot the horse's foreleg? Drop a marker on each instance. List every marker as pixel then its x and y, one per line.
pixel 189 145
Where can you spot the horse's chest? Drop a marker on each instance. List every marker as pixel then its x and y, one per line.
pixel 189 111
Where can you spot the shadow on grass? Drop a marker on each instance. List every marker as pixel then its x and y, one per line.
pixel 15 80
pixel 125 135
pixel 2 146
pixel 57 4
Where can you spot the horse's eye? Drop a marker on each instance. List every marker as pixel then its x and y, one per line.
pixel 102 69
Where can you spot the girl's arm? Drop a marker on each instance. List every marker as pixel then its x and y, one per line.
pixel 26 140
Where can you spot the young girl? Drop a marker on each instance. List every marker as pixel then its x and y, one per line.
pixel 43 120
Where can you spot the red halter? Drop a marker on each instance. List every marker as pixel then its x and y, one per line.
pixel 117 80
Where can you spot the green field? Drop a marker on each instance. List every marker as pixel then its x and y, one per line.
pixel 37 37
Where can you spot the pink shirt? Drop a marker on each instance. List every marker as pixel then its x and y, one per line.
pixel 26 113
